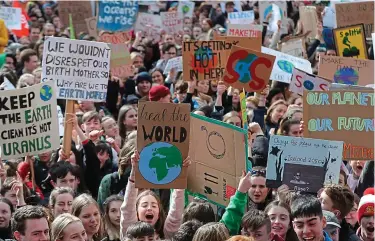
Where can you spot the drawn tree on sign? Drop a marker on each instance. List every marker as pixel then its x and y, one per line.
pixel 279 167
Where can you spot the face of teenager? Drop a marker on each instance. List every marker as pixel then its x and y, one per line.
pixel 45 157
pixel 277 97
pixel 326 202
pixel 110 128
pixel 131 118
pixel 278 113
pixel 260 234
pixel 299 102
pixel 49 30
pixel 157 78
pixel 205 25
pixel 74 232
pixel 309 228
pixel 90 125
pixel 5 215
pixel 203 86
pixel 235 120
pixel 9 62
pixel 280 219
pixel 236 96
pixel 11 195
pixel 297 116
pixel 138 62
pixel 34 34
pixel 258 190
pixel 90 217
pixel 169 39
pixel 148 210
pixel 103 156
pixel 114 212
pixel 357 167
pixel 196 32
pixel 68 181
pixel 352 218
pixel 32 63
pixel 367 228
pixel 86 105
pixel 294 130
pixel 63 204
pixel 35 230
pixel 341 180
pixel 144 87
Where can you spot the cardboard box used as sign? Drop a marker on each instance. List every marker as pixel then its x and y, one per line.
pixel 80 10
pixel 349 71
pixel 343 116
pixel 172 22
pixel 304 81
pixel 121 64
pixel 248 69
pixel 303 164
pixel 350 41
pixel 356 12
pixel 163 144
pixel 219 155
pixel 294 47
pixel 309 19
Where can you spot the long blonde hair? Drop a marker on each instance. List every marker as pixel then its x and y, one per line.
pixel 60 223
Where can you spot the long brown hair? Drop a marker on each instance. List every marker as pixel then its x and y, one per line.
pixel 112 231
pixel 272 108
pixel 121 117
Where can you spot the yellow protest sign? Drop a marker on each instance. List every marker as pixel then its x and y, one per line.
pixel 350 41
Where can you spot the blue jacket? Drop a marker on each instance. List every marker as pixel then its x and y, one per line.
pixel 326 236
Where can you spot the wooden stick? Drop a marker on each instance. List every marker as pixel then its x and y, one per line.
pixel 68 127
pixel 31 163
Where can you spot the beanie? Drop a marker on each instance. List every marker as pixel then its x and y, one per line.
pixel 23 169
pixel 366 206
pixel 157 92
pixel 142 76
pixel 368 191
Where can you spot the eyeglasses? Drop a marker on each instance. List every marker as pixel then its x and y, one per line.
pixel 258 173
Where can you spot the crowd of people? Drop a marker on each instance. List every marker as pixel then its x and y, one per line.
pixel 91 193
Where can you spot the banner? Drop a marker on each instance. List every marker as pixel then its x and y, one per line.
pixel 342 115
pixel 353 13
pixel 80 10
pixel 115 38
pixel 150 25
pixel 11 17
pixel 303 164
pixel 242 30
pixel 219 155
pixel 175 63
pixel 121 64
pixel 172 22
pixel 303 81
pixel 284 64
pixel 115 16
pixel 163 144
pixel 245 17
pixel 28 121
pixel 248 69
pixel 350 42
pixel 186 7
pixel 349 71
pixel 278 9
pixel 79 69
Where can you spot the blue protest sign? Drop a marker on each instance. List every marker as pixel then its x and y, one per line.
pixel 117 15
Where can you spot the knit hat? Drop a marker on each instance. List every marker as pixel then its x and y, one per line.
pixel 157 92
pixel 23 169
pixel 366 206
pixel 142 76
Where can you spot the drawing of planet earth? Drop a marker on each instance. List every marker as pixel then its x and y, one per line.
pixel 160 163
pixel 46 93
pixel 347 76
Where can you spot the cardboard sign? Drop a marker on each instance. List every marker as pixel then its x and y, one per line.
pixel 279 12
pixel 175 63
pixel 121 64
pixel 11 17
pixel 242 30
pixel 294 47
pixel 342 115
pixel 309 20
pixel 349 71
pixel 219 155
pixel 91 26
pixel 350 42
pixel 28 121
pixel 353 13
pixel 79 69
pixel 163 144
pixel 248 69
pixel 172 22
pixel 150 25
pixel 117 16
pixel 303 81
pixel 80 10
pixel 186 8
pixel 284 64
pixel 115 38
pixel 60 118
pixel 303 164
pixel 245 17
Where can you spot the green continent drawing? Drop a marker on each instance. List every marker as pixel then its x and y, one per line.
pixel 163 159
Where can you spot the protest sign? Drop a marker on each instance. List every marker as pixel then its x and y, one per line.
pixel 245 17
pixel 350 71
pixel 60 118
pixel 163 144
pixel 7 84
pixel 172 22
pixel 121 64
pixel 294 47
pixel 91 26
pixel 115 16
pixel 303 81
pixel 309 20
pixel 353 13
pixel 244 30
pixel 278 10
pixel 11 17
pixel 175 63
pixel 219 155
pixel 248 69
pixel 342 115
pixel 186 7
pixel 284 64
pixel 303 164
pixel 150 25
pixel 79 69
pixel 115 38
pixel 79 10
pixel 350 42
pixel 28 121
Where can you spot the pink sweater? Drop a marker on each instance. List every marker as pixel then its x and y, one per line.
pixel 129 213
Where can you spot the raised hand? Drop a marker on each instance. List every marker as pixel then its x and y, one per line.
pixel 245 182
